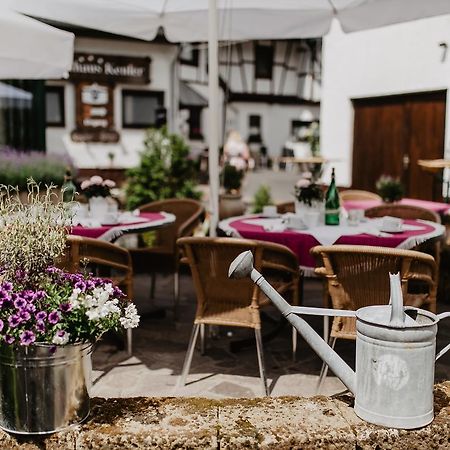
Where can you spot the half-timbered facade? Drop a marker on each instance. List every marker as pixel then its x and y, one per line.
pixel 268 89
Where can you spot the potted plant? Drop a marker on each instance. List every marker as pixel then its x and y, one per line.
pixel 49 318
pixel 165 170
pixel 230 202
pixel 98 192
pixel 261 198
pixel 389 188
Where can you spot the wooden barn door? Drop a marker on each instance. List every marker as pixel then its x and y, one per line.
pixel 391 134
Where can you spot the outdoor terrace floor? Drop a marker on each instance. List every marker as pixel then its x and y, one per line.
pixel 160 345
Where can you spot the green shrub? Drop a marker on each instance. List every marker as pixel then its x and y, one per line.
pixel 17 167
pixel 389 188
pixel 165 170
pixel 261 198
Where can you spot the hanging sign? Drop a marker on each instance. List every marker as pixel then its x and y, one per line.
pixel 94 113
pixel 110 68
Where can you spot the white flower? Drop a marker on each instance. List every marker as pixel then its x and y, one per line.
pixel 95 179
pixel 131 318
pixel 61 338
pixel 93 314
pixel 109 183
pixel 85 184
pixel 303 183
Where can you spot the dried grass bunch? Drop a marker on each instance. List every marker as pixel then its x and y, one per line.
pixel 32 233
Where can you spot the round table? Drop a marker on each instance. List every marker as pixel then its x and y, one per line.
pixel 130 224
pixel 414 233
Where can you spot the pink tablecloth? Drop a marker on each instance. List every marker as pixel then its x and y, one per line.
pixel 112 232
pixel 437 207
pixel 302 242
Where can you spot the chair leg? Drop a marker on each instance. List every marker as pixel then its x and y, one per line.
pixel 294 343
pixel 130 342
pixel 324 370
pixel 152 285
pixel 188 357
pixel 176 292
pixel 260 353
pixel 202 339
pixel 326 328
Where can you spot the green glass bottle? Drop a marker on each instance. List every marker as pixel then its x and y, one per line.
pixel 68 188
pixel 332 207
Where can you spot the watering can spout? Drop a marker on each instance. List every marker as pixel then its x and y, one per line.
pixel 242 267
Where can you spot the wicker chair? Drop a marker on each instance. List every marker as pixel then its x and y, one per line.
pixel 357 276
pixel 164 255
pixel 411 212
pixel 403 212
pixel 283 208
pixel 104 259
pixel 356 194
pixel 222 301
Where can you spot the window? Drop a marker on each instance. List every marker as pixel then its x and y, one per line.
pixel 54 106
pixel 254 129
pixel 263 61
pixel 141 109
pixel 189 55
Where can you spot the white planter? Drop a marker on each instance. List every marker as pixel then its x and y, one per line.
pixel 313 215
pixel 98 207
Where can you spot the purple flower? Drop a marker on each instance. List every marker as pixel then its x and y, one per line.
pixel 41 315
pixel 24 315
pixel 81 285
pixel 7 286
pixel 14 320
pixel 1 325
pixel 39 295
pixel 31 308
pixel 9 339
pixel 65 307
pixel 20 303
pixel 40 326
pixel 27 337
pixel 54 317
pixel 4 294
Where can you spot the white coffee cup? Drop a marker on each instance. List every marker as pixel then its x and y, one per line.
pixel 392 224
pixel 355 216
pixel 270 211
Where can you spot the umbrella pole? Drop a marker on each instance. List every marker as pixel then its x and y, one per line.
pixel 213 125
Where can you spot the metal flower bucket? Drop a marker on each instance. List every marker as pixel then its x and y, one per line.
pixel 43 391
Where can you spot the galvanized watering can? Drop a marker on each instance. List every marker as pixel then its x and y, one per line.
pixel 395 352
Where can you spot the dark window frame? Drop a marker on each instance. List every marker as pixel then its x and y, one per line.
pixel 140 93
pixel 194 60
pixel 60 90
pixel 264 52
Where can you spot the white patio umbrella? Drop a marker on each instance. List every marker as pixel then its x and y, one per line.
pixel 30 49
pixel 213 20
pixel 11 96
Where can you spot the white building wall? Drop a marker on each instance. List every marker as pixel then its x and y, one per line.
pixel 95 155
pixel 397 59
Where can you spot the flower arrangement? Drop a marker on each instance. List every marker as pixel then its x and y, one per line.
pixel 40 303
pixel 307 191
pixel 389 188
pixel 96 186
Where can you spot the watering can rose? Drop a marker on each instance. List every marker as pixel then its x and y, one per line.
pixel 64 309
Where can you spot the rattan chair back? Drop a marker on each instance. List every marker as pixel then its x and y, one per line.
pixel 356 194
pixel 187 213
pixel 403 212
pixel 357 276
pixel 102 258
pixel 283 208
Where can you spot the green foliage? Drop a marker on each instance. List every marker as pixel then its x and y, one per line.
pixel 231 178
pixel 389 188
pixel 165 170
pixel 261 198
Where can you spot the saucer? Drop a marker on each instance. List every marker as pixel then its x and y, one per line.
pixel 400 230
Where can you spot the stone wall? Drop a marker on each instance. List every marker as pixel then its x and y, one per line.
pixel 266 423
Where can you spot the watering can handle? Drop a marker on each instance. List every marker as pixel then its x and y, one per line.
pixel 447 347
